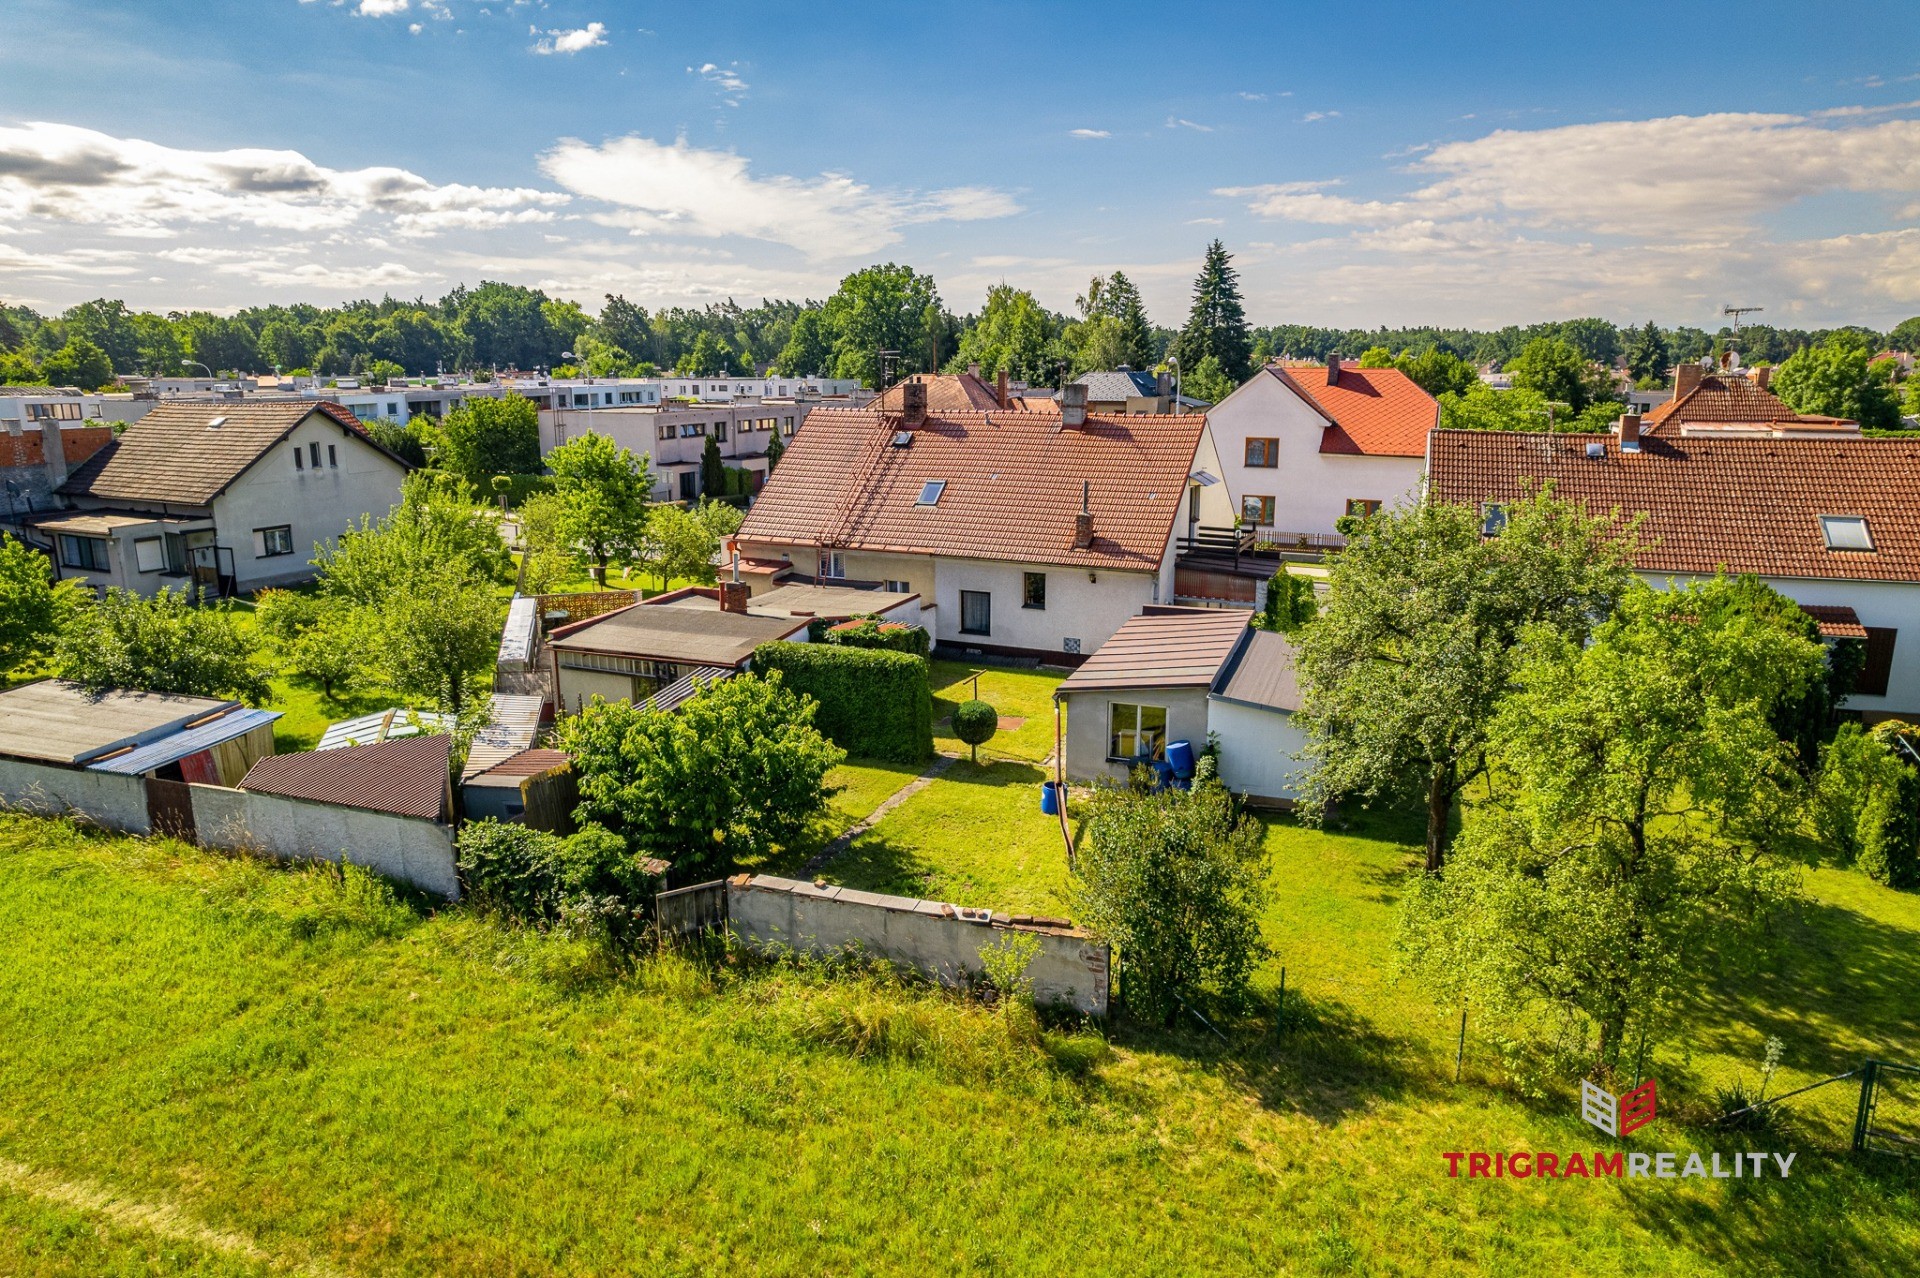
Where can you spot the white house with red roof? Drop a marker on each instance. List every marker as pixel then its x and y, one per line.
pixel 1302 445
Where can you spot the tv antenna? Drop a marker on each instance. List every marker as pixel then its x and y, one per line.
pixel 1737 312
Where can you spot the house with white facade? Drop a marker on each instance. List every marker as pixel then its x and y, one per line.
pixel 1303 445
pixel 1831 523
pixel 226 497
pixel 1025 533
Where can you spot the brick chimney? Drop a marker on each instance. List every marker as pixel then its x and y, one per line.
pixel 1083 522
pixel 1629 432
pixel 913 403
pixel 1073 405
pixel 1686 378
pixel 1762 376
pixel 1000 389
pixel 53 447
pixel 1333 369
pixel 733 596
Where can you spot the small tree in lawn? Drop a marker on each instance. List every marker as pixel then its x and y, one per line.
pixel 160 644
pixel 546 556
pixel 1177 880
pixel 975 722
pixel 736 771
pixel 677 544
pixel 603 490
pixel 332 651
pixel 436 636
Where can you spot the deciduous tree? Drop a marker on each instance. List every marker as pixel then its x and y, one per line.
pixel 488 436
pixel 160 644
pixel 1833 379
pixel 33 607
pixel 603 491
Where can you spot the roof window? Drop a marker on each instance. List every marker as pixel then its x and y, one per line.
pixel 1493 519
pixel 930 492
pixel 1846 532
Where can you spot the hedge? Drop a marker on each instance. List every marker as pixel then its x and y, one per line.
pixel 873 704
pixel 868 631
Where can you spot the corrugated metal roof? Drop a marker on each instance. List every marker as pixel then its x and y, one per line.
pixel 383 725
pixel 518 767
pixel 1163 648
pixel 406 777
pixel 172 749
pixel 516 640
pixel 1261 674
pixel 675 694
pixel 514 724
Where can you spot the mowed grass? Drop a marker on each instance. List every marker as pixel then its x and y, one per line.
pixel 349 1080
pixel 1016 694
pixel 861 785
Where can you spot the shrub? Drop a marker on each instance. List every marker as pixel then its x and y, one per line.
pixel 1290 604
pixel 870 632
pixel 1864 804
pixel 589 877
pixel 975 722
pixel 520 487
pixel 873 704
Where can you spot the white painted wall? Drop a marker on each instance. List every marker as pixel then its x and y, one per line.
pixel 1310 488
pixel 1089 718
pixel 406 849
pixel 1084 604
pixel 1258 749
pixel 319 505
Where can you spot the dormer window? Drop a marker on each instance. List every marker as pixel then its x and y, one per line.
pixel 1846 532
pixel 930 492
pixel 1493 519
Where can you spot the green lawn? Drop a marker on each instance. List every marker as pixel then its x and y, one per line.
pixel 863 784
pixel 214 1066
pixel 1017 694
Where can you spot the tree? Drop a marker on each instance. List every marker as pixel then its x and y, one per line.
pixel 775 450
pixel 1626 849
pixel 1014 334
pixel 1480 407
pixel 1376 357
pixel 1217 321
pixel 78 363
pixel 505 326
pixel 879 308
pixel 546 548
pixel 222 344
pixel 1414 647
pixel 109 326
pixel 1290 604
pixel 735 772
pixel 1437 372
pixel 624 325
pixel 677 544
pixel 437 529
pixel 436 635
pixel 488 436
pixel 16 369
pixel 1647 355
pixel 1905 336
pixel 1177 880
pixel 975 722
pixel 710 357
pixel 1119 300
pixel 405 442
pixel 713 470
pixel 33 607
pixel 602 489
pixel 332 651
pixel 1554 369
pixel 1208 382
pixel 720 518
pixel 809 348
pixel 1833 379
pixel 160 644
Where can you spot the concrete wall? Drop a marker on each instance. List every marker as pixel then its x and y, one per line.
pixel 106 799
pixel 1072 969
pixel 1077 608
pixel 1310 488
pixel 1258 749
pixel 318 504
pixel 1087 732
pixel 407 849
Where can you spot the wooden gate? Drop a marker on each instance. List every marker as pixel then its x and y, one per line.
pixel 170 808
pixel 685 911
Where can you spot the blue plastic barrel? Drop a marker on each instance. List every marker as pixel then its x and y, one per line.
pixel 1049 798
pixel 1180 755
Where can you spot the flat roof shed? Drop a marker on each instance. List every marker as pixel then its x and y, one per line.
pixel 61 722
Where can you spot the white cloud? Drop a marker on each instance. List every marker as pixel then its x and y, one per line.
pixel 414 28
pixel 684 190
pixel 1244 96
pixel 1175 122
pixel 727 80
pixel 1089 133
pixel 380 8
pixel 1313 116
pixel 563 40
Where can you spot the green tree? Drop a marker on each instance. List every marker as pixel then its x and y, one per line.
pixel 1437 372
pixel 78 363
pixel 1647 354
pixel 720 518
pixel 436 636
pixel 809 348
pixel 1480 407
pixel 407 442
pixel 602 489
pixel 437 529
pixel 1414 647
pixel 547 556
pixel 1217 321
pixel 880 308
pixel 1289 606
pixel 1628 848
pixel 677 544
pixel 17 369
pixel 332 651
pixel 33 607
pixel 1376 357
pixel 734 773
pixel 1177 880
pixel 504 326
pixel 222 344
pixel 488 436
pixel 410 339
pixel 713 470
pixel 1832 379
pixel 109 326
pixel 1905 336
pixel 1014 333
pixel 975 722
pixel 1207 382
pixel 624 326
pixel 710 357
pixel 775 450
pixel 1554 369
pixel 160 644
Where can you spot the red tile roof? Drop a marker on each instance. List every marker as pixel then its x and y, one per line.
pixel 947 393
pixel 1724 399
pixel 1013 486
pixel 1836 621
pixel 1375 412
pixel 1743 504
pixel 406 776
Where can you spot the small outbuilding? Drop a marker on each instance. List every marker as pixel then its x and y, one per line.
pixel 534 788
pixel 647 648
pixel 1185 674
pixel 405 776
pixel 160 735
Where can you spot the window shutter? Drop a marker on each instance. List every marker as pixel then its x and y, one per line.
pixel 259 543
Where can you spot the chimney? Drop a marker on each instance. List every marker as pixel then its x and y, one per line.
pixel 1629 432
pixel 1000 389
pixel 1686 379
pixel 973 370
pixel 53 446
pixel 1083 522
pixel 733 596
pixel 1761 376
pixel 1333 369
pixel 913 403
pixel 1073 405
pixel 1163 383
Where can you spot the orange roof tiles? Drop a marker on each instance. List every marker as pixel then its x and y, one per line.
pixel 1724 398
pixel 1376 412
pixel 946 393
pixel 1742 504
pixel 1013 486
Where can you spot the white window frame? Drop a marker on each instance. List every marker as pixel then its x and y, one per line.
pixel 1117 713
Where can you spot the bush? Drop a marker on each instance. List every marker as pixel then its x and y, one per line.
pixel 975 722
pixel 871 632
pixel 873 704
pixel 520 487
pixel 536 877
pixel 1864 804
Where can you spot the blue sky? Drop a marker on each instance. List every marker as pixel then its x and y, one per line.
pixel 1470 164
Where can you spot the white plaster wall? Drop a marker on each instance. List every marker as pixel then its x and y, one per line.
pixel 319 505
pixel 1310 488
pixel 1257 749
pixel 1088 718
pixel 406 849
pixel 1089 610
pixel 107 799
pixel 770 913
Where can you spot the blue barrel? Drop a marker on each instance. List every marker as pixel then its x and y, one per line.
pixel 1180 755
pixel 1049 798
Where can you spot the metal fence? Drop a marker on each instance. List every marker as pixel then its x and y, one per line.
pixel 690 910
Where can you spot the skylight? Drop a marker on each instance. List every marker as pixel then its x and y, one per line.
pixel 930 492
pixel 1845 532
pixel 1493 519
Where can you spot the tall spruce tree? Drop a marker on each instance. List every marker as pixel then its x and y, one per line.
pixel 1647 354
pixel 1217 324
